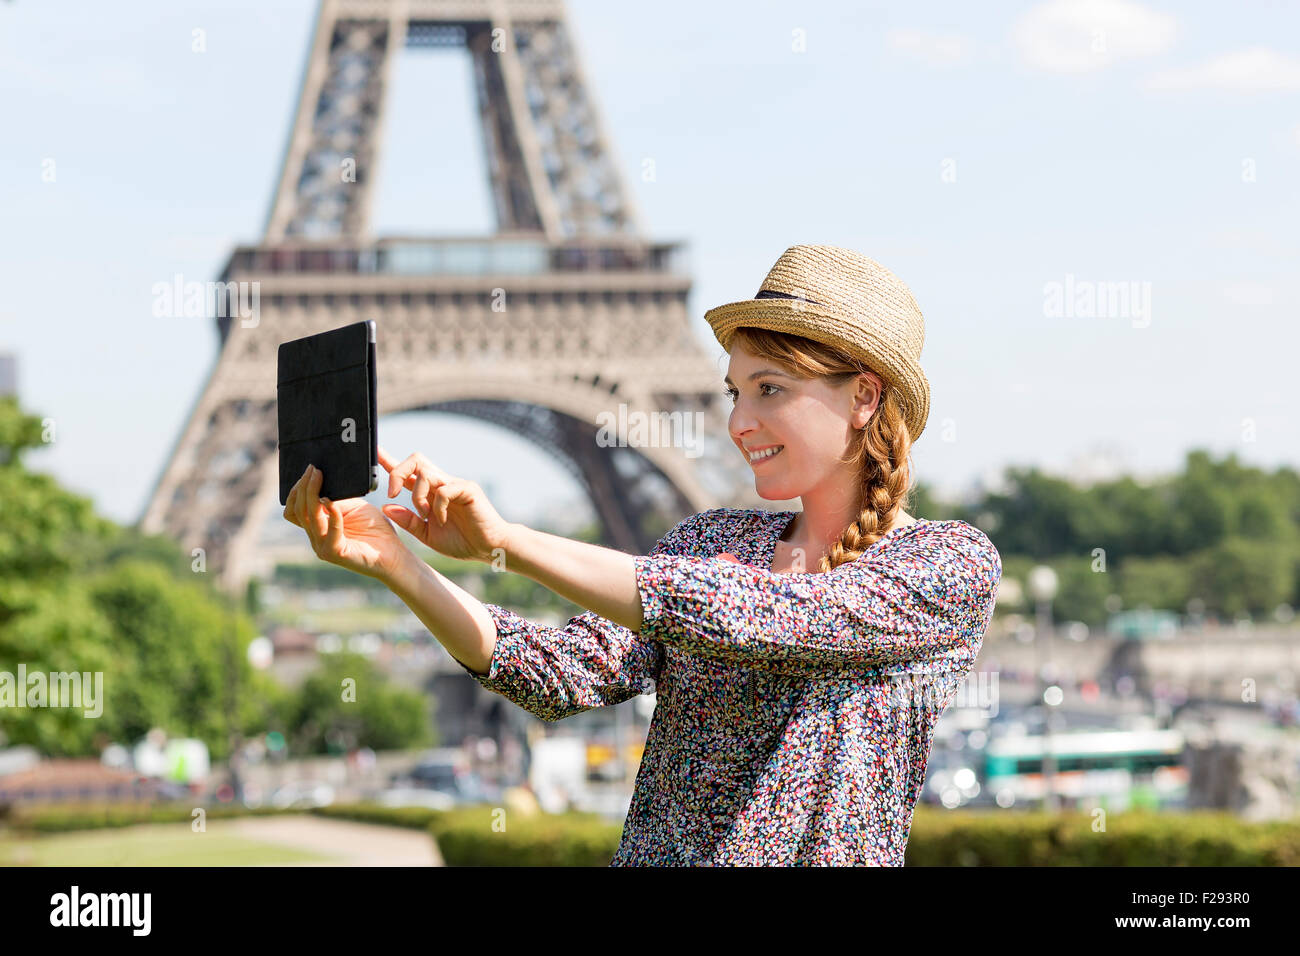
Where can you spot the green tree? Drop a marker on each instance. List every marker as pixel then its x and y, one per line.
pixel 60 630
pixel 1081 591
pixel 79 593
pixel 1162 582
pixel 1219 530
pixel 347 703
pixel 182 653
pixel 1242 577
pixel 1038 516
pixel 46 532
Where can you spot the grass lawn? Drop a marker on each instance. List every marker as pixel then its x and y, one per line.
pixel 149 845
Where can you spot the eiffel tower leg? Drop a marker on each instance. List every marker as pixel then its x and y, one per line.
pixel 520 192
pixel 328 171
pixel 611 493
pixel 579 157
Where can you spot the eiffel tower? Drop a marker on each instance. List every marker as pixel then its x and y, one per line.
pixel 565 319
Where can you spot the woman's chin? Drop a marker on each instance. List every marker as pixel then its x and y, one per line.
pixel 771 491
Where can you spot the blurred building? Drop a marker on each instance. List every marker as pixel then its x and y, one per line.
pixel 294 655
pixel 75 781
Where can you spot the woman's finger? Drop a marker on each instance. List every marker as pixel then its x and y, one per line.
pixel 386 459
pixel 300 506
pixel 333 525
pixel 405 519
pixel 420 494
pixel 454 493
pixel 319 520
pixel 399 475
pixel 447 493
pixel 310 508
pixel 404 475
pixel 291 501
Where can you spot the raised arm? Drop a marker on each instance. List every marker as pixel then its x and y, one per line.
pixel 555 672
pixel 928 595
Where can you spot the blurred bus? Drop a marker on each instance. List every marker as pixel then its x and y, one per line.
pixel 1143 624
pixel 1110 768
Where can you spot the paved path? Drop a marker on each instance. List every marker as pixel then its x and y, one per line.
pixel 355 844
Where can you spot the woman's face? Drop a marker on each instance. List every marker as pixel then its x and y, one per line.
pixel 810 421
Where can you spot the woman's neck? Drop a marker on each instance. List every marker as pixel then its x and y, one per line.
pixel 796 532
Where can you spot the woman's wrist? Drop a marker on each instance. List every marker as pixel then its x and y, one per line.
pixel 409 567
pixel 455 618
pixel 405 576
pixel 507 548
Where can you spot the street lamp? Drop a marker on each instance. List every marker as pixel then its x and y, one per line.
pixel 1042 588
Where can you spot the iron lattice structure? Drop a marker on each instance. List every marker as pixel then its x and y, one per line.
pixel 563 320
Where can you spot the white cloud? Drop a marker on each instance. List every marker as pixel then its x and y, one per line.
pixel 946 50
pixel 1076 36
pixel 1254 70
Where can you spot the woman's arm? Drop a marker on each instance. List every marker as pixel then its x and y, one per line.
pixel 552 672
pixel 930 595
pixel 924 598
pixel 555 672
pixel 600 579
pixel 454 616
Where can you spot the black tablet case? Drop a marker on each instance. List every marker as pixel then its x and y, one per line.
pixel 321 380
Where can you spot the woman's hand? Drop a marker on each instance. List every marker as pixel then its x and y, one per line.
pixel 351 533
pixel 454 516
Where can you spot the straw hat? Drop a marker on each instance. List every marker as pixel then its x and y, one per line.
pixel 841 298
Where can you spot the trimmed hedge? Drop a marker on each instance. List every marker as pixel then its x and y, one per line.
pixel 415 818
pixel 466 836
pixel 1131 838
pixel 479 836
pixel 472 836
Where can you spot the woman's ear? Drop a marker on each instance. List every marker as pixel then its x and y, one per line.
pixel 870 392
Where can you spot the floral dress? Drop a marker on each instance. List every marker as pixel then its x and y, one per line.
pixel 794 712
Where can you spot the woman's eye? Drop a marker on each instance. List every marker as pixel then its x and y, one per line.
pixel 731 392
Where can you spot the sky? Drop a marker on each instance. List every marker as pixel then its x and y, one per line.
pixel 991 155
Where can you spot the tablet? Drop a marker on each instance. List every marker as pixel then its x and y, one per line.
pixel 325 403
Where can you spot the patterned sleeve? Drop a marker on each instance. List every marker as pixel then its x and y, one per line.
pixel 556 672
pixel 930 594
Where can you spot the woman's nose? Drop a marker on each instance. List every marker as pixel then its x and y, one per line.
pixel 739 424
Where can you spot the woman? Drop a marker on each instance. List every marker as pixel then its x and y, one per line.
pixel 795 707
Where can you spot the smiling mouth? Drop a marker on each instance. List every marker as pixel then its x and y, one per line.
pixel 765 455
